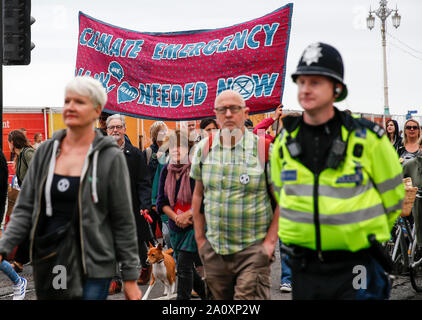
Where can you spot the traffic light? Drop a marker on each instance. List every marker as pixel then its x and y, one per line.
pixel 17 23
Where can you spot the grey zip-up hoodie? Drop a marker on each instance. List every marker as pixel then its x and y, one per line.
pixel 106 222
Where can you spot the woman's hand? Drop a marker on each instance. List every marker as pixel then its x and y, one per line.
pixel 132 291
pixel 184 219
pixel 278 112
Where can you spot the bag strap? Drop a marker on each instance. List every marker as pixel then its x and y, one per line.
pixel 262 139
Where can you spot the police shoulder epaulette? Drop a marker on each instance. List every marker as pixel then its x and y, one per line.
pixel 290 123
pixel 280 134
pixel 366 124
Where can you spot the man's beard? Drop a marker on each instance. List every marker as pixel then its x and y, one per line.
pixel 117 138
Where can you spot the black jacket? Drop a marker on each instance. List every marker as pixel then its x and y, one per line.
pixel 153 162
pixel 140 187
pixel 140 184
pixel 398 141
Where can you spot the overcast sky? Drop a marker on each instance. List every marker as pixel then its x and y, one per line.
pixel 341 23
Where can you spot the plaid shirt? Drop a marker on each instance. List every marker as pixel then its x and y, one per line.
pixel 237 214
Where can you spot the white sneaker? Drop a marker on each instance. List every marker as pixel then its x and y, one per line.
pixel 286 287
pixel 19 289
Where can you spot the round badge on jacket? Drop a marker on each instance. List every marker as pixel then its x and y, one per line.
pixel 244 179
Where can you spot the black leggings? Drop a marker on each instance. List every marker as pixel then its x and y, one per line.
pixel 188 277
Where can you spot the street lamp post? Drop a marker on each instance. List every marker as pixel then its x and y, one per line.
pixel 383 12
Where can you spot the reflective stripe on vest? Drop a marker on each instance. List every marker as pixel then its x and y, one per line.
pixel 398 206
pixel 326 191
pixel 307 190
pixel 333 219
pixel 390 184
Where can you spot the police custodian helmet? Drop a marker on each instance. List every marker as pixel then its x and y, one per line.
pixel 324 60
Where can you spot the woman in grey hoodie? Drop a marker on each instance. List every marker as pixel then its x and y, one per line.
pixel 80 175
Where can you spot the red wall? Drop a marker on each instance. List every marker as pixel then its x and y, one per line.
pixel 32 122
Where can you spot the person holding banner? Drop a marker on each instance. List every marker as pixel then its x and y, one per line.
pixel 266 123
pixel 339 185
pixel 237 233
pixel 75 203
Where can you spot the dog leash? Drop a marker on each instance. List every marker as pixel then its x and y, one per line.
pixel 149 220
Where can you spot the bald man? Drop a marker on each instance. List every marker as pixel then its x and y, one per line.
pixel 237 248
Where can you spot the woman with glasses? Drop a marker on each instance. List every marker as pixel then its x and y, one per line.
pixel 411 147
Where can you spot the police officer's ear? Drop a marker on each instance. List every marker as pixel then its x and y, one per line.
pixel 337 90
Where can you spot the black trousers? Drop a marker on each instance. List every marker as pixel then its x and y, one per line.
pixel 188 277
pixel 356 278
pixel 22 253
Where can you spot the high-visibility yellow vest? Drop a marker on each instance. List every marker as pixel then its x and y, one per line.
pixel 362 196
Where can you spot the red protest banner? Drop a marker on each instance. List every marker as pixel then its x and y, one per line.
pixel 176 76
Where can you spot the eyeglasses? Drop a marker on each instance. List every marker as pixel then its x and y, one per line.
pixel 111 128
pixel 223 110
pixel 412 127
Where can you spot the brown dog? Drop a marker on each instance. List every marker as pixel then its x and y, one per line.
pixel 163 269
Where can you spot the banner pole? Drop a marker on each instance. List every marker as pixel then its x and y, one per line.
pixel 45 125
pixel 1 76
pixel 143 140
pixel 51 123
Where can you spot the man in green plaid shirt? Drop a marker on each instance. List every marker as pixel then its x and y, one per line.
pixel 241 227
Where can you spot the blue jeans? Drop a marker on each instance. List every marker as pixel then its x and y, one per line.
pixel 96 289
pixel 9 271
pixel 378 283
pixel 286 272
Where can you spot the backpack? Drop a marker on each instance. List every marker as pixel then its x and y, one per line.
pixel 264 163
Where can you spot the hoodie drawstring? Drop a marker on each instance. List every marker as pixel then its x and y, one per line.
pixel 49 207
pixel 94 178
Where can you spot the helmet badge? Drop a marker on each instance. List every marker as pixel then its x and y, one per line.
pixel 312 54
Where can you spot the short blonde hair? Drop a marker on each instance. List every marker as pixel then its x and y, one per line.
pixel 88 87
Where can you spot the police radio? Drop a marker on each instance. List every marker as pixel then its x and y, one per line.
pixel 293 147
pixel 337 152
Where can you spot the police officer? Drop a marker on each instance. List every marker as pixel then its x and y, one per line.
pixel 338 182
